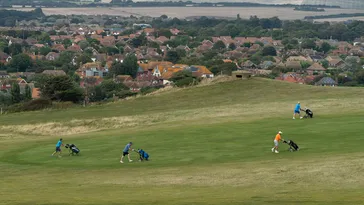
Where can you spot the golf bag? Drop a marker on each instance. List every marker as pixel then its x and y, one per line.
pixel 309 113
pixel 292 145
pixel 142 155
pixel 72 149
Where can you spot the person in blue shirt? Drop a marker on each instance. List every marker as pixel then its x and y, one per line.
pixel 126 152
pixel 297 110
pixel 58 148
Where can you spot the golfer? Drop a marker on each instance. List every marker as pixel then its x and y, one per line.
pixel 58 148
pixel 297 110
pixel 126 152
pixel 276 141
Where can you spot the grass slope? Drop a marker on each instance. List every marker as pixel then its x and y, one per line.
pixel 212 147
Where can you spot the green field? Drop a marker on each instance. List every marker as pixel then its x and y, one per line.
pixel 208 145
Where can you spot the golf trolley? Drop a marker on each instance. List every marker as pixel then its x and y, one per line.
pixel 292 145
pixel 308 113
pixel 73 150
pixel 142 155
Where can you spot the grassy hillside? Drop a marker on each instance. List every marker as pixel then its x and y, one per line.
pixel 208 145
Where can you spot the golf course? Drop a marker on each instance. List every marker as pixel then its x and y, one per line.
pixel 209 144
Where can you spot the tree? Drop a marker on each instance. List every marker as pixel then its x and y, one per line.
pixel 360 77
pixel 164 32
pixel 131 65
pixel 269 51
pixel 83 44
pixel 67 43
pixel 183 78
pixel 5 99
pixel 65 58
pixel 112 50
pixel 128 67
pixel 325 63
pixel 219 45
pixel 61 88
pixel 45 50
pixel 82 59
pixel 13 49
pixel 164 17
pixel 15 93
pixel 28 93
pixel 246 44
pixel 139 41
pixel 20 63
pixel 224 68
pixel 305 64
pixel 232 46
pixel 172 56
pixel 325 47
pixel 308 44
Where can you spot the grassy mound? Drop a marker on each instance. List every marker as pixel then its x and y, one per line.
pixel 208 145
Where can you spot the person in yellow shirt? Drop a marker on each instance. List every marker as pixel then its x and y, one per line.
pixel 276 141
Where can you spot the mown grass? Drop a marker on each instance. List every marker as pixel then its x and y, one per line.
pixel 220 155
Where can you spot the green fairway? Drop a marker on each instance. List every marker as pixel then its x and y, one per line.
pixel 208 145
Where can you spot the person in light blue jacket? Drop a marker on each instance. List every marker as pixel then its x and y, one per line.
pixel 126 152
pixel 58 148
pixel 297 110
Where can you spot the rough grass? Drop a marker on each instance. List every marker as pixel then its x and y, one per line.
pixel 208 145
pixel 220 98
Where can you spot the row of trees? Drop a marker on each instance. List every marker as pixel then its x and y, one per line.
pixel 206 27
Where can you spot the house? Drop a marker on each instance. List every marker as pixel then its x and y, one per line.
pixel 186 48
pixel 161 39
pixel 91 81
pixel 207 43
pixel 54 72
pixel 58 47
pixel 108 41
pixel 336 63
pixel 248 65
pixel 296 58
pixel 174 31
pixel 295 65
pixel 233 55
pixel 36 93
pixel 149 79
pixel 316 58
pixel 100 57
pixel 316 68
pixel 326 81
pixel 356 51
pixel 148 31
pixel 123 79
pixel 31 41
pixel 267 65
pixel 292 78
pixel 74 48
pixel 4 58
pixel 51 56
pixel 92 69
pixel 4 75
pixel 200 71
pixel 37 57
pixel 352 59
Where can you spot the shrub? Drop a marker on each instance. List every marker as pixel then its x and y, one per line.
pixel 62 105
pixel 147 90
pixel 125 94
pixel 38 104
